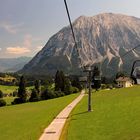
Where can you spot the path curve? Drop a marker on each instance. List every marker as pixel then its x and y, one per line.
pixel 54 130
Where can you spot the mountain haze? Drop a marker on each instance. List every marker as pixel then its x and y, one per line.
pixel 13 64
pixel 102 39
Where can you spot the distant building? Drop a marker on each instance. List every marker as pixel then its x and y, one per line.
pixel 124 82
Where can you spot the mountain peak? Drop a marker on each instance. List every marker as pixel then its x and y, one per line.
pixel 106 18
pixel 102 38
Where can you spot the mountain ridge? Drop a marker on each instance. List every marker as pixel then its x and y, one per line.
pixel 103 39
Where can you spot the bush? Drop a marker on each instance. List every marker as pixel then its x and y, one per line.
pixel 1 94
pixel 2 103
pixel 22 89
pixel 76 83
pixel 34 99
pixel 34 96
pixel 107 86
pixel 59 93
pixel 10 94
pixel 67 87
pixel 18 101
pixel 48 94
pixel 103 86
pixel 71 90
pixel 74 90
pixel 15 93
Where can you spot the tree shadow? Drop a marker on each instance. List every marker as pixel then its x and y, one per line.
pixel 80 113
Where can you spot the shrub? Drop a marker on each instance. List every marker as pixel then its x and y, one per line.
pixel 2 103
pixel 15 93
pixel 74 90
pixel 59 81
pixel 18 101
pixel 34 100
pixel 1 94
pixel 109 86
pixel 67 87
pixel 76 83
pixel 34 96
pixel 10 94
pixel 48 94
pixel 103 86
pixel 59 93
pixel 22 89
pixel 37 86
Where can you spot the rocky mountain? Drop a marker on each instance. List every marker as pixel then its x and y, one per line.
pixel 101 39
pixel 13 64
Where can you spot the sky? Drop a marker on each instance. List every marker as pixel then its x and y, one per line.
pixel 27 25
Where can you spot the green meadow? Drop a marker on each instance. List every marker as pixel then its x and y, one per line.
pixel 11 89
pixel 9 100
pixel 115 116
pixel 27 121
pixel 8 89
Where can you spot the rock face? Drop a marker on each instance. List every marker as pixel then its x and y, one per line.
pixel 102 39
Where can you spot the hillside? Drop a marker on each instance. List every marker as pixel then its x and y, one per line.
pixel 115 116
pixel 27 121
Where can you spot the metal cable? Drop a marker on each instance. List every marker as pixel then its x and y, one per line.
pixel 74 38
pixel 130 50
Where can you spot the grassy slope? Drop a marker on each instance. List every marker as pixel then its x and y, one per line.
pixel 8 89
pixel 9 100
pixel 27 121
pixel 115 116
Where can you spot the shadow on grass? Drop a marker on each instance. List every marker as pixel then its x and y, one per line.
pixel 80 113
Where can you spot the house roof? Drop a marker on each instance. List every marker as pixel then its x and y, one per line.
pixel 123 79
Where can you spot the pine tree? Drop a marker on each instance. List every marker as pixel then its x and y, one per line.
pixel 37 86
pixel 76 83
pixel 62 83
pixel 22 90
pixel 95 78
pixel 67 86
pixel 1 94
pixel 96 72
pixel 59 81
pixel 62 80
pixel 2 102
pixel 35 94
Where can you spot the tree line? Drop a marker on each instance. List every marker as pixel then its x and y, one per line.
pixel 61 85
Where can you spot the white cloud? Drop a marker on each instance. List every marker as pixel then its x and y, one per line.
pixel 11 28
pixel 27 47
pixel 17 50
pixel 27 41
pixel 38 48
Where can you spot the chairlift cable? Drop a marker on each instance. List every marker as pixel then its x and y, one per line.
pixel 75 41
pixel 130 50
